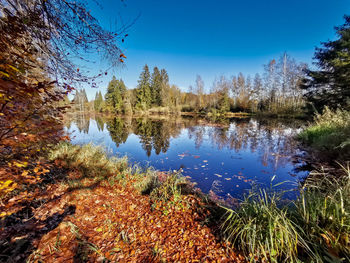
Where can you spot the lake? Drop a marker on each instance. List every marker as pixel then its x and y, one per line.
pixel 224 158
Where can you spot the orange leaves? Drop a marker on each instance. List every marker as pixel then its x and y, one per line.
pixel 119 224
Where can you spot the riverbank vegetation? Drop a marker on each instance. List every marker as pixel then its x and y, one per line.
pixel 62 203
pixel 315 227
pixel 329 134
pixel 274 93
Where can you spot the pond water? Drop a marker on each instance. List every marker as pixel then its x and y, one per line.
pixel 224 158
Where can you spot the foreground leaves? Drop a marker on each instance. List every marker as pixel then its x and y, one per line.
pixel 104 222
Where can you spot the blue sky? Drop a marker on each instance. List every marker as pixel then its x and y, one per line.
pixel 215 37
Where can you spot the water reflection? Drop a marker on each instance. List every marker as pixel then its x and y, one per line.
pixel 228 154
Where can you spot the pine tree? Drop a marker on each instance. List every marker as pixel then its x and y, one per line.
pixel 115 95
pixel 98 101
pixel 330 85
pixel 156 87
pixel 143 91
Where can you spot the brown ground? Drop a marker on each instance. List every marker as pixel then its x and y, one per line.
pixel 97 222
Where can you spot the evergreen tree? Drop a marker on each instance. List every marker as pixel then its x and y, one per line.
pixel 156 87
pixel 98 101
pixel 115 95
pixel 330 85
pixel 143 91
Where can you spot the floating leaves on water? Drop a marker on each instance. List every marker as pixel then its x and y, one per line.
pixel 228 179
pixel 196 156
pixel 205 161
pixel 218 175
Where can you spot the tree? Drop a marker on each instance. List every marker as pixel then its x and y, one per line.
pixel 143 91
pixel 39 41
pixel 115 95
pixel 98 103
pixel 165 88
pixel 156 87
pixel 61 31
pixel 221 89
pixel 330 84
pixel 199 92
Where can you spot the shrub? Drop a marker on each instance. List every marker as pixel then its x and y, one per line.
pixel 329 133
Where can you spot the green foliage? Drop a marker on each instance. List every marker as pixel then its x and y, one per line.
pixel 143 91
pixel 263 230
pixel 116 93
pixel 329 133
pixel 329 86
pixel 313 228
pixel 98 102
pixel 323 210
pixel 156 87
pixel 169 188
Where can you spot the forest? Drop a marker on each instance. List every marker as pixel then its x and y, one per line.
pixel 276 92
pixel 66 202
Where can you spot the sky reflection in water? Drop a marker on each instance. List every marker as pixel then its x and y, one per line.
pixel 222 158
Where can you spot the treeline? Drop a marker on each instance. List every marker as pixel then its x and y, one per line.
pixel 276 91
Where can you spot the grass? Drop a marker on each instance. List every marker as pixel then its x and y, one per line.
pixel 90 160
pixel 329 133
pixel 323 209
pixel 262 230
pixel 313 228
pixel 94 164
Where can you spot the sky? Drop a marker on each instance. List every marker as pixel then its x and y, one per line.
pixel 214 37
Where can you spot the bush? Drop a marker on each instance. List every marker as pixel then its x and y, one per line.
pixel 330 133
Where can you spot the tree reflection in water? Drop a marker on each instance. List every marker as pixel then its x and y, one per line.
pixel 272 139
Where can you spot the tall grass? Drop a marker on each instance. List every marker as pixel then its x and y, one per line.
pixel 330 132
pixel 323 210
pixel 262 230
pixel 89 159
pixel 313 228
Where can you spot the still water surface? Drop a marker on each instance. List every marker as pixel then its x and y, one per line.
pixel 224 159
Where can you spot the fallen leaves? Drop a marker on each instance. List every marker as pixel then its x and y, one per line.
pixel 118 224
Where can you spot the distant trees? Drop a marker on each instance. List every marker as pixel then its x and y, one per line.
pixel 330 83
pixel 156 87
pixel 143 90
pixel 277 92
pixel 98 102
pixel 153 91
pixel 116 96
pixel 80 100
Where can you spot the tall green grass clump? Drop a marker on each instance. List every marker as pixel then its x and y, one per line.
pixel 330 132
pixel 323 211
pixel 262 230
